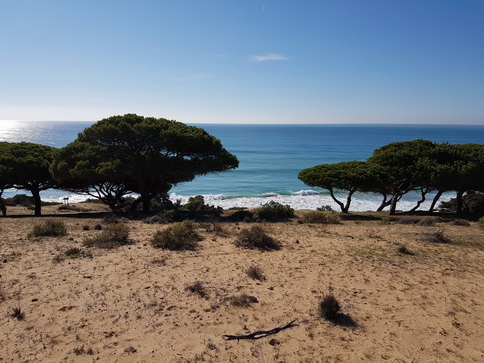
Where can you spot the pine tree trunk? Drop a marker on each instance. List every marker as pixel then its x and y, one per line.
pixel 37 202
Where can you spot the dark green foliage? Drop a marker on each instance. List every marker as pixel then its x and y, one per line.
pixel 274 211
pixel 350 176
pixel 321 218
pixel 50 228
pixel 179 237
pixel 241 216
pixel 195 203
pixel 112 236
pixel 131 153
pixel 471 203
pixel 26 166
pixel 256 238
pixel 19 199
pixel 329 307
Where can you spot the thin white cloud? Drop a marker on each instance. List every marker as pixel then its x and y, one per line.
pixel 268 57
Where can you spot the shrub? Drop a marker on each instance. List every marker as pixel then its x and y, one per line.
pixel 256 273
pixel 329 307
pixel 241 215
pixel 112 236
pixel 325 208
pixel 19 199
pixel 461 222
pixel 71 208
pixel 274 211
pixel 159 218
pixel 72 253
pixel 179 237
pixel 195 203
pixel 404 250
pixel 321 218
pixel 256 238
pixel 243 300
pixel 438 237
pixel 416 221
pixel 197 288
pixel 50 228
pixel 480 222
pixel 17 313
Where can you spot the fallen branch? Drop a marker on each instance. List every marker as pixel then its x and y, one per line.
pixel 260 333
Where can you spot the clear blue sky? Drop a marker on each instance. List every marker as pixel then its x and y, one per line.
pixel 244 61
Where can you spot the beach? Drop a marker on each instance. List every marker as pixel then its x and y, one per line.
pixel 134 303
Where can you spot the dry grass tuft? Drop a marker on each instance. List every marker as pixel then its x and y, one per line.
pixel 179 237
pixel 197 288
pixel 50 228
pixel 113 236
pixel 321 218
pixel 256 238
pixel 243 300
pixel 256 273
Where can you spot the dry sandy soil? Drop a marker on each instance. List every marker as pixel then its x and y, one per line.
pixel 131 304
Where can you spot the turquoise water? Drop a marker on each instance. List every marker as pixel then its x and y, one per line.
pixel 270 157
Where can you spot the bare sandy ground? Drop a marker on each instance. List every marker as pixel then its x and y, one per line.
pixel 131 304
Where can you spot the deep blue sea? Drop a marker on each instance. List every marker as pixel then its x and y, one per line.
pixel 270 158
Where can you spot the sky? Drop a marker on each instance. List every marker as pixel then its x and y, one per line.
pixel 244 61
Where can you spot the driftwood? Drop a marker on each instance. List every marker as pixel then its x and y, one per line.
pixel 260 333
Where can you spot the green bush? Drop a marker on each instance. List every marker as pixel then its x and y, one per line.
pixel 179 237
pixel 321 217
pixel 114 235
pixel 274 211
pixel 256 238
pixel 50 228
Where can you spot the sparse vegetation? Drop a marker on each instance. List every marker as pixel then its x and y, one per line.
pixel 243 300
pixel 159 218
pixel 17 313
pixel 72 208
pixel 50 228
pixel 321 217
pixel 256 238
pixel 256 273
pixel 438 237
pixel 461 222
pixel 114 235
pixel 72 253
pixel 179 237
pixel 329 307
pixel 405 251
pixel 274 211
pixel 197 288
pixel 416 220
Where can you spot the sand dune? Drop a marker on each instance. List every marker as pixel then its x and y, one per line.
pixel 131 304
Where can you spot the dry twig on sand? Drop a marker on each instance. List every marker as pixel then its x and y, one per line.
pixel 260 333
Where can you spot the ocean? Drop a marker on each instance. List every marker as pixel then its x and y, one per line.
pixel 270 158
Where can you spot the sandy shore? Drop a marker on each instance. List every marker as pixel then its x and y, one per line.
pixel 131 304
